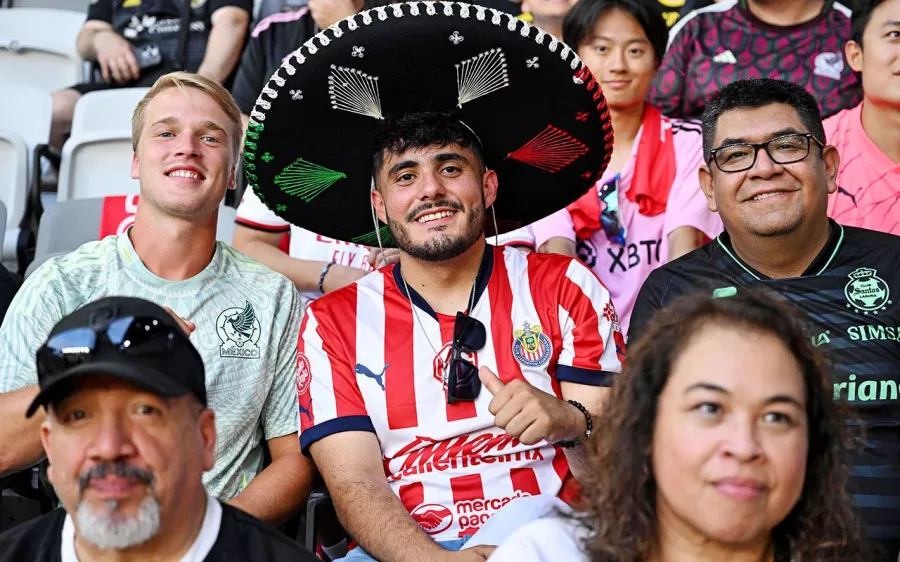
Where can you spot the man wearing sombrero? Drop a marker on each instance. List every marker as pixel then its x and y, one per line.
pixel 415 125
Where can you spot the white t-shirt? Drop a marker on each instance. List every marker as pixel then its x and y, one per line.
pixel 305 245
pixel 206 538
pixel 551 539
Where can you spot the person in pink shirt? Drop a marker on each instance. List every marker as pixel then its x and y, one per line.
pixel 648 207
pixel 868 135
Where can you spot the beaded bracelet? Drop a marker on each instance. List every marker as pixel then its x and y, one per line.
pixel 587 433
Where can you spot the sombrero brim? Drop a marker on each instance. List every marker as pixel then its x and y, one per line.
pixel 540 116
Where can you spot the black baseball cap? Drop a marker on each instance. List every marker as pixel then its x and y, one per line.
pixel 130 339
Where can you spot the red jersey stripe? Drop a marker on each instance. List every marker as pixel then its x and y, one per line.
pixel 348 398
pixel 307 417
pixel 500 294
pixel 587 341
pixel 525 480
pixel 412 495
pixel 543 279
pixel 465 489
pixel 399 377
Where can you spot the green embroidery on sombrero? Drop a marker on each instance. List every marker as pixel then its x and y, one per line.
pixel 255 127
pixel 249 156
pixel 250 166
pixel 306 180
pixel 250 144
pixel 252 135
pixel 251 176
pixel 371 239
pixel 281 208
pixel 268 157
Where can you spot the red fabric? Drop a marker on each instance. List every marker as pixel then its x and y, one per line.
pixel 118 214
pixel 654 172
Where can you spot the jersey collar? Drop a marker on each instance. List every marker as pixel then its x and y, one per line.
pixel 481 282
pixel 818 265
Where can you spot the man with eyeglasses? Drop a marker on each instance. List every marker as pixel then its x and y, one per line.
pixel 129 432
pixel 445 398
pixel 768 174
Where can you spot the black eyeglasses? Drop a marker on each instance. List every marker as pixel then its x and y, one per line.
pixel 129 335
pixel 785 149
pixel 469 336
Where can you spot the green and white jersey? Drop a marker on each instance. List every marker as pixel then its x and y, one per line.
pixel 247 319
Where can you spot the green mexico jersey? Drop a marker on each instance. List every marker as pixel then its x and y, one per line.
pixel 247 318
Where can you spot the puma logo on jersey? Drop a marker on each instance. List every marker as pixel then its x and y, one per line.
pixel 361 369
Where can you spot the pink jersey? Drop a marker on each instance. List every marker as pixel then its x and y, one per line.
pixel 868 194
pixel 623 268
pixel 366 363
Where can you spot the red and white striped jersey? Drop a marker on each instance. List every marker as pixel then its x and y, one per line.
pixel 366 364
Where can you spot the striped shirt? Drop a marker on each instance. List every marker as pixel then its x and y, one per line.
pixel 365 363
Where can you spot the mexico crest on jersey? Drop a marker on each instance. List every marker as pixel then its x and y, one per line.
pixel 866 292
pixel 239 331
pixel 531 346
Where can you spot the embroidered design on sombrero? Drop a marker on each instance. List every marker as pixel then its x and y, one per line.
pixel 456 38
pixel 481 75
pixel 306 180
pixel 358 51
pixel 371 238
pixel 551 150
pixel 532 63
pixel 354 91
pixel 296 95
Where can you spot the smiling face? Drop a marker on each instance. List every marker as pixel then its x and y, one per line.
pixel 729 450
pixel 879 56
pixel 125 461
pixel 620 57
pixel 769 199
pixel 434 199
pixel 184 158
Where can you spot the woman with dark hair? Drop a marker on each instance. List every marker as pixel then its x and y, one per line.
pixel 721 442
pixel 647 208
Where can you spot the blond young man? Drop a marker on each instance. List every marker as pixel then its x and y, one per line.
pixel 243 318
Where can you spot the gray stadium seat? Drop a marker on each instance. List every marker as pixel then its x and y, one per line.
pixel 68 224
pixel 37 47
pixel 79 6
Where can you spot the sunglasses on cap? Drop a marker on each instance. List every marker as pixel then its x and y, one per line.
pixel 469 336
pixel 130 336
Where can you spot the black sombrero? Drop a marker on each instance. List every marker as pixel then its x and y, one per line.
pixel 539 114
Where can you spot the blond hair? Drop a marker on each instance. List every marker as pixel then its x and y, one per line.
pixel 182 81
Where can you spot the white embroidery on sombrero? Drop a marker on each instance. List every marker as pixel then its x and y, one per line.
pixel 464 11
pixel 323 39
pixel 496 16
pixel 577 80
pixel 564 54
pixel 367 19
pixel 310 46
pixel 511 24
pixel 526 29
pixel 286 65
pixel 296 95
pixel 351 23
pixel 269 92
pixel 480 12
pixel 448 8
pixel 413 8
pixel 263 103
pixel 382 13
pixel 354 91
pixel 257 116
pixel 456 38
pixel 539 38
pixel 336 30
pixel 279 81
pixel 429 8
pixel 554 43
pixel 481 75
pixel 532 63
pixel 398 11
pixel 551 150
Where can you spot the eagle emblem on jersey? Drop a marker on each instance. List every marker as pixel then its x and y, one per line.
pixel 239 331
pixel 531 346
pixel 866 292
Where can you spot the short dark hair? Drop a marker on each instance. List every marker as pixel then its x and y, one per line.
pixel 859 20
pixel 760 92
pixel 622 522
pixel 419 130
pixel 579 23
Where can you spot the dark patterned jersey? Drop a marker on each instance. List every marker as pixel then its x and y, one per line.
pixel 719 44
pixel 851 293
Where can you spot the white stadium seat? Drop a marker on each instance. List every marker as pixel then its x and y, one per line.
pixel 109 110
pixel 79 6
pixel 96 164
pixel 37 47
pixel 25 115
pixel 69 224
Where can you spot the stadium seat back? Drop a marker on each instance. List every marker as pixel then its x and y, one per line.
pixel 109 110
pixel 96 165
pixel 13 187
pixel 79 6
pixel 37 47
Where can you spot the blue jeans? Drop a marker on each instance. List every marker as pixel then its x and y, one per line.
pixel 360 555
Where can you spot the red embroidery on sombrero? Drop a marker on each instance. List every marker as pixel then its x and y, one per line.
pixel 551 150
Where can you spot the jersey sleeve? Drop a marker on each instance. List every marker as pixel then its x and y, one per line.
pixel 250 77
pixel 559 224
pixel 687 205
pixel 329 397
pixel 667 92
pixel 593 346
pixel 100 10
pixel 253 213
pixel 34 311
pixel 279 416
pixel 518 237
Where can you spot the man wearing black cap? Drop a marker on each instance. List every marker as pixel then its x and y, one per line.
pixel 128 434
pixel 445 398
